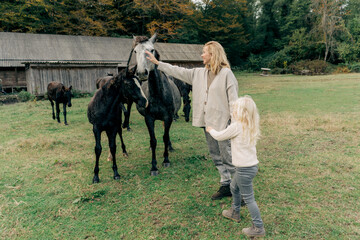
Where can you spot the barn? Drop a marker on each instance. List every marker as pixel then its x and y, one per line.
pixel 31 61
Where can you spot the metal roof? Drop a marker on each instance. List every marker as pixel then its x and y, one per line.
pixel 17 48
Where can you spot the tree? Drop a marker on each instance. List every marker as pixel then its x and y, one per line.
pixel 164 17
pixel 266 28
pixel 328 15
pixel 292 19
pixel 223 21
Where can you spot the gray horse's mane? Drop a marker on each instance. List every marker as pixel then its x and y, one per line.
pixel 139 39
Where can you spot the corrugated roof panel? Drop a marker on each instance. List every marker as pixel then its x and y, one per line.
pixel 21 47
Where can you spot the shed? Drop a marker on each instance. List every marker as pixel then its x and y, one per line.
pixel 31 61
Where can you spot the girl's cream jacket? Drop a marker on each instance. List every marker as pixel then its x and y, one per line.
pixel 243 154
pixel 211 107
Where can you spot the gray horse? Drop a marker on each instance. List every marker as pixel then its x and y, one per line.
pixel 163 96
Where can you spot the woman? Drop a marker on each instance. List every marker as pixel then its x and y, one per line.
pixel 214 88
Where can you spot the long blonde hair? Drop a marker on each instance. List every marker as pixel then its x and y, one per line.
pixel 218 58
pixel 246 112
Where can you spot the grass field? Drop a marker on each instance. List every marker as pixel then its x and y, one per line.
pixel 307 186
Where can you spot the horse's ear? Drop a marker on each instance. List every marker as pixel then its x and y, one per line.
pixel 70 87
pixel 153 38
pixel 63 88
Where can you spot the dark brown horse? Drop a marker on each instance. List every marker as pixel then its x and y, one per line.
pixel 60 94
pixel 184 89
pixel 160 93
pixel 105 113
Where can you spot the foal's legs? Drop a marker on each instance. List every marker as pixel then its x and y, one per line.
pixel 64 112
pixel 52 106
pixel 57 111
pixel 111 134
pixel 123 147
pixel 97 134
pixel 150 125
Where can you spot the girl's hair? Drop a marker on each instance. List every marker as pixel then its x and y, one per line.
pixel 218 57
pixel 245 112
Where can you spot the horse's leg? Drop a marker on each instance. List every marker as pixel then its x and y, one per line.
pixel 123 147
pixel 187 106
pixel 111 134
pixel 64 112
pixel 126 123
pixel 57 111
pixel 167 143
pixel 150 122
pixel 97 134
pixel 52 106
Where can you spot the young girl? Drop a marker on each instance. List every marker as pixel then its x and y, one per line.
pixel 244 131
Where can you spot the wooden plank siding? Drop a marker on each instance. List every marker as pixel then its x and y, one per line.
pixel 13 77
pixel 80 77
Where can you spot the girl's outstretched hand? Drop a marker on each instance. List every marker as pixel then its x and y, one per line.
pixel 208 129
pixel 151 58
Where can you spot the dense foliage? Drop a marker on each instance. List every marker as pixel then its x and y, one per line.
pixel 255 33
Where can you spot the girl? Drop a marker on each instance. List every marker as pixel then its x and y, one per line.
pixel 244 131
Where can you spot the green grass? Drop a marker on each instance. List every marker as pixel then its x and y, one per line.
pixel 307 186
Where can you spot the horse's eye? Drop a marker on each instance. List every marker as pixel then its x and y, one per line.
pixel 152 50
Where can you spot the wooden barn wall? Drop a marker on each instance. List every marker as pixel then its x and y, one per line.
pixel 13 77
pixel 80 78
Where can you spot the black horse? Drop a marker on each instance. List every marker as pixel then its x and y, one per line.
pixel 126 124
pixel 60 94
pixel 100 82
pixel 105 112
pixel 160 92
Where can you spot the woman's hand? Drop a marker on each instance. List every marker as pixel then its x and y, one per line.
pixel 151 58
pixel 208 129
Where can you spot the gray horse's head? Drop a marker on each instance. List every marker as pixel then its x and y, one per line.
pixel 144 66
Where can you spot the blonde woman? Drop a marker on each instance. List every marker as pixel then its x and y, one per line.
pixel 214 87
pixel 244 131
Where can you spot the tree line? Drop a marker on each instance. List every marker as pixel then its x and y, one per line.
pixel 255 33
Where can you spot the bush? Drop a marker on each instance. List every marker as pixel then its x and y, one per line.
pixel 354 67
pixel 278 71
pixel 310 67
pixel 279 59
pixel 24 96
pixel 342 69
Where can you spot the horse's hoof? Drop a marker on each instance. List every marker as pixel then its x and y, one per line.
pixel 96 180
pixel 171 150
pixel 166 164
pixel 129 129
pixel 154 173
pixel 125 155
pixel 117 177
pixel 66 124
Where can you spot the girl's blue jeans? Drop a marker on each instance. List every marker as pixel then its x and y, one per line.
pixel 242 188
